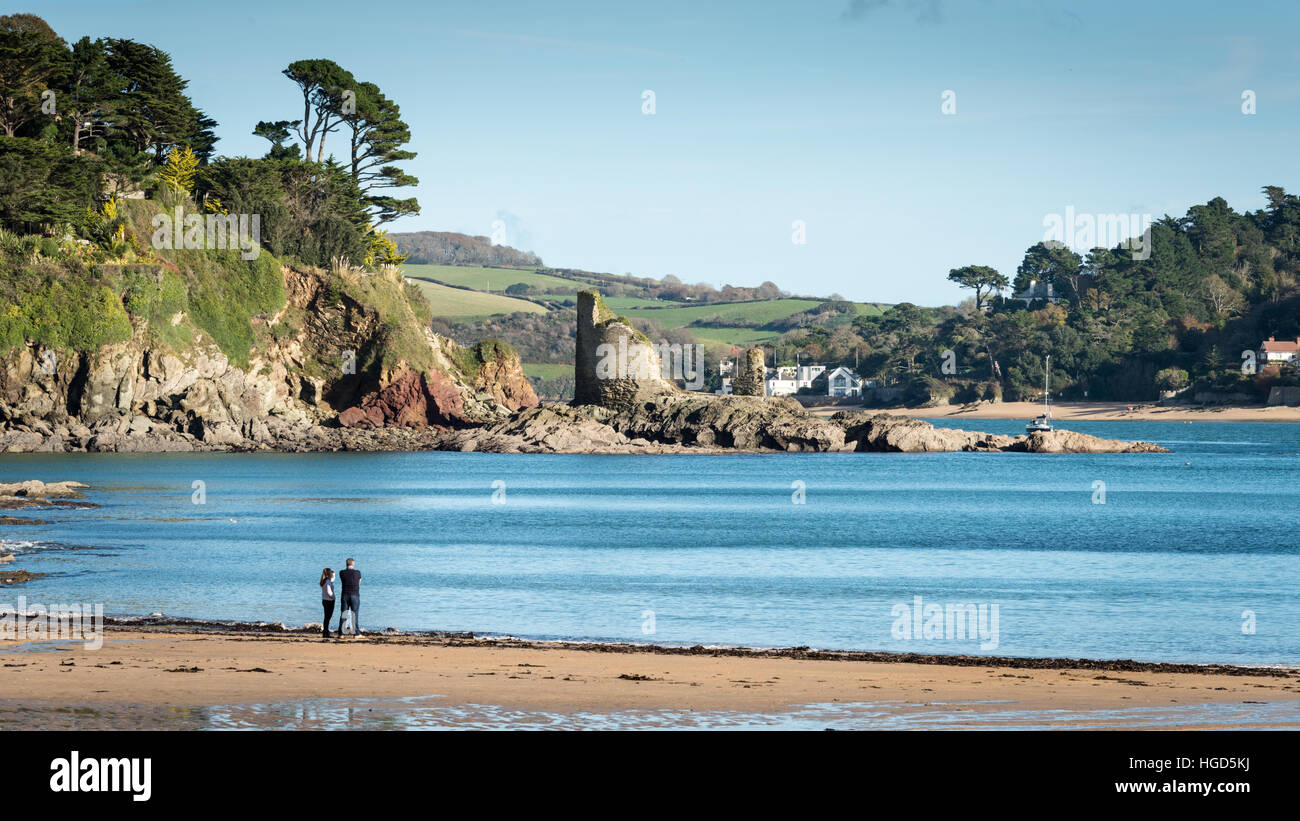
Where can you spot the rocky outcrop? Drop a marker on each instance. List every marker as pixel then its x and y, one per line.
pixel 550 429
pixel 1065 441
pixel 325 353
pixel 500 375
pixel 868 431
pixel 751 375
pixel 8 577
pixel 739 422
pixel 616 365
pixel 688 423
pixel 36 489
pixel 886 433
pixel 411 400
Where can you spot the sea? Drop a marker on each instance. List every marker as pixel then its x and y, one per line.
pixel 1191 556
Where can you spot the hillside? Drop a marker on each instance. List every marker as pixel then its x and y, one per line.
pixel 728 319
pixel 466 303
pixel 448 248
pixel 493 280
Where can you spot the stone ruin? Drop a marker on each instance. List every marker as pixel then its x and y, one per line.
pixel 750 375
pixel 616 365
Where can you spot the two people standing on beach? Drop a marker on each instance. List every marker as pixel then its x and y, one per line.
pixel 350 578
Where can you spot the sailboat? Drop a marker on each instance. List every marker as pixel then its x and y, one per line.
pixel 1043 422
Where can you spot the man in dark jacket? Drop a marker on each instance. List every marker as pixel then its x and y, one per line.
pixel 350 579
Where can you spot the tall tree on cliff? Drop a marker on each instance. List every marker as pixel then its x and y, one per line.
pixel 328 92
pixel 91 101
pixel 30 56
pixel 154 113
pixel 377 134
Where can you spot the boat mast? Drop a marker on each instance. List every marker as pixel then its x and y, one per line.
pixel 1047 392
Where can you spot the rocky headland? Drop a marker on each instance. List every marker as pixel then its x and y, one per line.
pixel 297 393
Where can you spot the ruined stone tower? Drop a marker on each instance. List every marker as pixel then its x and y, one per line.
pixel 750 375
pixel 616 365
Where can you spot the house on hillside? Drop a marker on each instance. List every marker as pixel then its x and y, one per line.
pixel 1037 291
pixel 805 375
pixel 843 382
pixel 1272 352
pixel 789 379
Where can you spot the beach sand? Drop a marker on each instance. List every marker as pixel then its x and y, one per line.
pixel 154 668
pixel 1097 411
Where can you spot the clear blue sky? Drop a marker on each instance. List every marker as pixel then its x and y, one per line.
pixel 826 111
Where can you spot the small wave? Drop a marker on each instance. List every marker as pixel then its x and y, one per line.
pixel 17 546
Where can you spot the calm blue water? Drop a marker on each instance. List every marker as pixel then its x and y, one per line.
pixel 587 547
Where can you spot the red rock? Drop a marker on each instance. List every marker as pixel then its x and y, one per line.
pixel 412 400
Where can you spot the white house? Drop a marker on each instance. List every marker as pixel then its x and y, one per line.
pixel 781 381
pixel 789 379
pixel 805 374
pixel 1273 352
pixel 1037 290
pixel 843 382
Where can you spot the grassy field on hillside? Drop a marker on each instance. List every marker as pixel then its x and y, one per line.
pixel 547 370
pixel 732 336
pixel 459 303
pixel 452 302
pixel 480 279
pixel 674 317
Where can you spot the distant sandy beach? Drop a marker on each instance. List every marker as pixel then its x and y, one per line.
pixel 138 670
pixel 1099 412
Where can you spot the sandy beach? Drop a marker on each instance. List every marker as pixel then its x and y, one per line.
pixel 1102 412
pixel 142 674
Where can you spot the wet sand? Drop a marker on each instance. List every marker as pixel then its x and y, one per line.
pixel 146 669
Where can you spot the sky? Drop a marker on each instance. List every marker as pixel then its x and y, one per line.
pixel 820 120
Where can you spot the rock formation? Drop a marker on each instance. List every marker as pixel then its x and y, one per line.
pixel 887 433
pixel 872 431
pixel 337 359
pixel 36 489
pixel 751 375
pixel 411 400
pixel 1067 441
pixel 739 422
pixel 498 373
pixel 616 365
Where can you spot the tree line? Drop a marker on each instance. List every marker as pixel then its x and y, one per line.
pixel 100 119
pixel 1119 325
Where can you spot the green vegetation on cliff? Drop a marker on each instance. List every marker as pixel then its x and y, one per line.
pixel 471 360
pixel 118 218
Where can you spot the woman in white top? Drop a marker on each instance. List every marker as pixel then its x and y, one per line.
pixel 327 599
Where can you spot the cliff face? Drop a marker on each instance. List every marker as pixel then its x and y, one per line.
pixel 346 345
